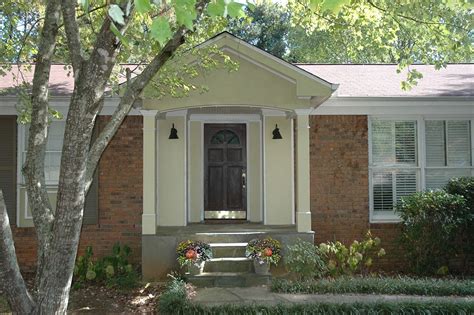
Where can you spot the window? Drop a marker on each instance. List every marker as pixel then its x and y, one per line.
pixel 53 151
pixel 448 151
pixel 394 164
pixel 397 168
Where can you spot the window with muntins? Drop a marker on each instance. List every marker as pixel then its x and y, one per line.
pixel 448 151
pixel 394 164
pixel 397 168
pixel 54 147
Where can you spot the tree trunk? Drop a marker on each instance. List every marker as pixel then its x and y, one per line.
pixel 11 280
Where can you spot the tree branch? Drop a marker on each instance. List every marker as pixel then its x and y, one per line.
pixel 11 280
pixel 72 32
pixel 414 19
pixel 132 93
pixel 33 169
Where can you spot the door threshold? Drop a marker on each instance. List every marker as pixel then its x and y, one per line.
pixel 226 221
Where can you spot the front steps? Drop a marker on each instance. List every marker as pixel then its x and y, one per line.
pixel 229 267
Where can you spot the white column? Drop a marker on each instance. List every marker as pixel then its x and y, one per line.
pixel 303 211
pixel 149 172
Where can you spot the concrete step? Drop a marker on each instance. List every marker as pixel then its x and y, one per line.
pixel 222 250
pixel 228 237
pixel 229 279
pixel 229 264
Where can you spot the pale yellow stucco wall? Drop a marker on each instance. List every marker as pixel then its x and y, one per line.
pixel 279 194
pixel 195 174
pixel 24 216
pixel 171 173
pixel 249 85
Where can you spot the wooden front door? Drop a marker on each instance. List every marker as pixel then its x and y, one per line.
pixel 225 166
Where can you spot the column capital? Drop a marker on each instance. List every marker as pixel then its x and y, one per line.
pixel 149 112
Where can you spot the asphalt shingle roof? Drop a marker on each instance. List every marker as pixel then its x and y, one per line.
pixel 354 80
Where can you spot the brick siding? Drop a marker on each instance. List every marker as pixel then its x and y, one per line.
pixel 340 185
pixel 120 199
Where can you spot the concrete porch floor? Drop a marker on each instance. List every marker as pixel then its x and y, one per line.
pixel 223 227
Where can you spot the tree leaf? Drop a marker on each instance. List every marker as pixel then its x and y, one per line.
pixel 235 9
pixel 185 12
pixel 116 14
pixel 216 8
pixel 333 5
pixel 119 35
pixel 85 5
pixel 161 30
pixel 143 6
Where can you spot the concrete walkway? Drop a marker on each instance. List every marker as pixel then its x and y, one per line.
pixel 262 295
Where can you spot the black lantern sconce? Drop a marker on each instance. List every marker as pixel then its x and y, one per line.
pixel 276 133
pixel 173 133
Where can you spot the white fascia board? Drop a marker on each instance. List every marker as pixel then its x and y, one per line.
pixel 396 106
pixel 61 103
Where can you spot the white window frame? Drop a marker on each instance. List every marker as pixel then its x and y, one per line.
pixel 51 186
pixel 390 216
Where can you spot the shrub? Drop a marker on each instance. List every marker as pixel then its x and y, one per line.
pixel 264 250
pixel 464 186
pixel 430 222
pixel 377 285
pixel 114 270
pixel 193 252
pixel 305 260
pixel 173 297
pixel 359 257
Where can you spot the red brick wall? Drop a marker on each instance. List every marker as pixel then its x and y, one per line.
pixel 120 199
pixel 339 184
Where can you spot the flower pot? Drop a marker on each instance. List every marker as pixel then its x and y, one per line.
pixel 196 268
pixel 261 267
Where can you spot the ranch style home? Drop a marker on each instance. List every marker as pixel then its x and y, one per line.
pixel 312 151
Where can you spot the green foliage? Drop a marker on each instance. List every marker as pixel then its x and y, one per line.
pixel 267 250
pixel 266 26
pixel 193 252
pixel 358 257
pixel 184 306
pixel 114 270
pixel 430 223
pixel 173 297
pixel 305 260
pixel 463 186
pixel 377 285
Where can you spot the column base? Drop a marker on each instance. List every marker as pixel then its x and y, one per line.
pixel 303 221
pixel 148 224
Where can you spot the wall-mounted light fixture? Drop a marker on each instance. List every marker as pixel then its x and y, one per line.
pixel 173 133
pixel 276 133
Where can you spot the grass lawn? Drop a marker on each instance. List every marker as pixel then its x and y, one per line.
pixel 378 285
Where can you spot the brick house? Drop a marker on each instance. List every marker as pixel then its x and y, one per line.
pixel 317 152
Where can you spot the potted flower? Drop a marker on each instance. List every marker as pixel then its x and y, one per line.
pixel 264 252
pixel 193 254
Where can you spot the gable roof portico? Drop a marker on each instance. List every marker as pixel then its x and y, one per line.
pixel 262 81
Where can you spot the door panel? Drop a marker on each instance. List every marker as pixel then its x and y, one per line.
pixel 216 185
pixel 225 171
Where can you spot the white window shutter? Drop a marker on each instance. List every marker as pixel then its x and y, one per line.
pixel 382 184
pixel 435 143
pixel 458 143
pixel 383 143
pixel 405 183
pixel 405 142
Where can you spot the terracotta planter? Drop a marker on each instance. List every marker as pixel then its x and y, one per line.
pixel 261 268
pixel 196 268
